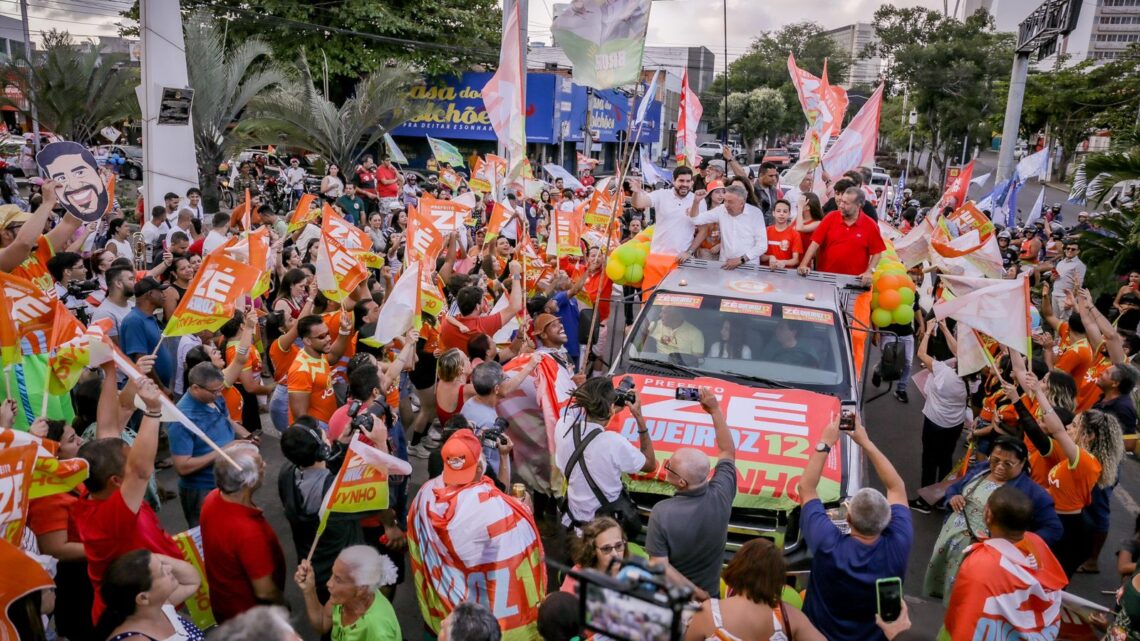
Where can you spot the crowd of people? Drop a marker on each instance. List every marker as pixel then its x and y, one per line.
pixel 1046 435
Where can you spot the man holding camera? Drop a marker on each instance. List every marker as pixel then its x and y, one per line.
pixel 688 532
pixel 71 284
pixel 492 385
pixel 586 451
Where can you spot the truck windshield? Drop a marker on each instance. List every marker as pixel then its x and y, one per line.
pixel 798 346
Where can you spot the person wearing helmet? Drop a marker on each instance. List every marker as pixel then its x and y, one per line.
pixel 1009 254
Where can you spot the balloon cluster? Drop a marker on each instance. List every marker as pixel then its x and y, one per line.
pixel 626 265
pixel 892 297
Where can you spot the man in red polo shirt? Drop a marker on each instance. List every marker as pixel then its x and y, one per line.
pixel 474 313
pixel 114 519
pixel 847 241
pixel 245 564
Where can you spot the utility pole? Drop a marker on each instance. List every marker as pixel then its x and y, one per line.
pixel 31 98
pixel 913 119
pixel 1012 122
pixel 724 139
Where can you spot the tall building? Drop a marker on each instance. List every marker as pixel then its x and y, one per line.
pixel 700 62
pixel 853 39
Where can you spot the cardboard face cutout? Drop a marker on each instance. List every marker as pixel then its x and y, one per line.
pixel 74 169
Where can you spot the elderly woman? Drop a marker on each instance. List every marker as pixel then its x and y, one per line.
pixel 966 524
pixel 753 610
pixel 141 591
pixel 356 610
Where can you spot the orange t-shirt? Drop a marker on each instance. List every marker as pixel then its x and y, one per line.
pixel 1077 360
pixel 34 267
pixel 1071 485
pixel 234 401
pixel 282 359
pixel 783 244
pixel 312 376
pixel 1038 463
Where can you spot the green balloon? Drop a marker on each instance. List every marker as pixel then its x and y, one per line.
pixel 903 315
pixel 906 296
pixel 639 257
pixel 874 300
pixel 881 317
pixel 634 274
pixel 626 253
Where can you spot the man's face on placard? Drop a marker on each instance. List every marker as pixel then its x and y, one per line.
pixel 81 189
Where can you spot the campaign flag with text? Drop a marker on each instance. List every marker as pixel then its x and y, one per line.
pixel 30 307
pixel 16 465
pixel 425 240
pixel 213 295
pixel 475 543
pixel 304 213
pixel 998 308
pixel 354 239
pixel 500 214
pixel 445 152
pixel 957 185
pixel 504 93
pixel 22 576
pixel 198 605
pixel 687 122
pixel 856 145
pixel 446 216
pixel 361 485
pixel 567 230
pixel 807 89
pixel 339 273
pixel 604 40
pixel 833 104
pixel 69 352
pixel 50 475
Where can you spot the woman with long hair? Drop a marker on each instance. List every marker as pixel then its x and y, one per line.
pixel 753 610
pixel 291 296
pixel 811 213
pixel 731 343
pixel 602 546
pixel 141 591
pixel 332 185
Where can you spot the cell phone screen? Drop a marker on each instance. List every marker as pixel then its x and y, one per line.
pixel 626 617
pixel 890 598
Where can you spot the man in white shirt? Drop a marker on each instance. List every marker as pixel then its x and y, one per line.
pixel 184 224
pixel 194 203
pixel 295 178
pixel 154 232
pixel 120 291
pixel 607 456
pixel 217 236
pixel 743 237
pixel 671 207
pixel 1070 272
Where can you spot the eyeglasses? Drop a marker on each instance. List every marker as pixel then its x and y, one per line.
pixel 1004 462
pixel 213 392
pixel 612 548
pixel 1071 249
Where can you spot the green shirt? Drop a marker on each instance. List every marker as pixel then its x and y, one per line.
pixel 379 623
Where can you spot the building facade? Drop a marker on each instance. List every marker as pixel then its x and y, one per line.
pixel 854 39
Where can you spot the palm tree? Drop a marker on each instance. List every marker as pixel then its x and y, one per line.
pixel 76 88
pixel 1114 247
pixel 224 83
pixel 300 115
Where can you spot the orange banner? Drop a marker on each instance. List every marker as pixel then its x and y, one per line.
pixel 304 213
pixel 338 271
pixel 568 230
pixel 16 465
pixel 220 285
pixel 69 352
pixel 425 240
pixel 29 306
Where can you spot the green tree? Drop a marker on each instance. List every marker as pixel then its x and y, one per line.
pixel 356 37
pixel 766 65
pixel 77 89
pixel 300 114
pixel 224 83
pixel 951 69
pixel 754 115
pixel 1113 248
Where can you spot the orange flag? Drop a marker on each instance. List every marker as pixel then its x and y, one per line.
pixel 499 216
pixel 9 336
pixel 445 215
pixel 213 295
pixel 304 213
pixel 30 307
pixel 425 240
pixel 21 576
pixel 16 465
pixel 69 352
pixel 354 239
pixel 338 271
pixel 567 231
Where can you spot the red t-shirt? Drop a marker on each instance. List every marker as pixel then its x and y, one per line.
pixel 239 546
pixel 109 529
pixel 783 244
pixel 53 513
pixel 450 335
pixel 846 249
pixel 387 173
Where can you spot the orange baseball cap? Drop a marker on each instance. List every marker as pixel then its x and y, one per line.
pixel 461 454
pixel 716 184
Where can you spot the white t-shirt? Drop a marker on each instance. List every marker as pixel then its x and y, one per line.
pixel 153 236
pixel 1070 274
pixel 741 235
pixel 122 248
pixel 674 228
pixel 945 396
pixel 173 230
pixel 213 241
pixel 608 456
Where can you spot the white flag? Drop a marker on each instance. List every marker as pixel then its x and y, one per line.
pixel 646 100
pixel 999 310
pixel 1035 213
pixel 1033 165
pixel 503 95
pixel 981 180
pixel 398 313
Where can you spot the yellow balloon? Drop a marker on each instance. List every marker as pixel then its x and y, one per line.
pixel 615 269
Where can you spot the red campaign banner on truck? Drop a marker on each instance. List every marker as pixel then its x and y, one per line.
pixel 774 431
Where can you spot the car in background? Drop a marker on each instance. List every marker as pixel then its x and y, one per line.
pixel 710 150
pixel 132 155
pixel 794 151
pixel 778 156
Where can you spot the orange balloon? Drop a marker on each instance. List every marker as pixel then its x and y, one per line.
pixel 889 299
pixel 886 282
pixel 905 281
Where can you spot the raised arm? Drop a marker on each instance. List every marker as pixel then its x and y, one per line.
pixel 185 575
pixel 512 384
pixel 725 446
pixel 809 482
pixel 140 458
pixel 924 356
pixel 1113 341
pixel 1047 308
pixel 896 489
pixel 515 300
pixel 29 235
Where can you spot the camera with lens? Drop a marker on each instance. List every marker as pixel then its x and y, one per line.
pixel 360 420
pixel 624 394
pixel 492 437
pixel 81 288
pixel 638 603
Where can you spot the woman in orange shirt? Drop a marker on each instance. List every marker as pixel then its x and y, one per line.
pixel 1085 454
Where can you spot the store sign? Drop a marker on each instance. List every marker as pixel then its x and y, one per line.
pixel 452 108
pixel 609 115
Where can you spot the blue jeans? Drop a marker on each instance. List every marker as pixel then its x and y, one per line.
pixel 907 343
pixel 279 408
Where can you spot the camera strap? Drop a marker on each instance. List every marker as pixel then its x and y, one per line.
pixel 576 458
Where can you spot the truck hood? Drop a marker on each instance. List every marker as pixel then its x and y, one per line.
pixel 775 432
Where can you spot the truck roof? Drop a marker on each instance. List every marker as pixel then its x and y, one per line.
pixel 820 290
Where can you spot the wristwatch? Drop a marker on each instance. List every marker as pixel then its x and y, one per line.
pixel 822 447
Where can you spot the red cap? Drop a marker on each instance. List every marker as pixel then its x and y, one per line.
pixel 461 454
